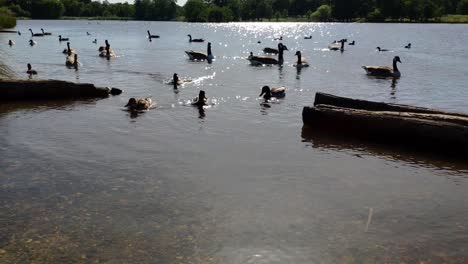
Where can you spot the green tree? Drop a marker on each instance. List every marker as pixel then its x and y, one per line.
pixel 322 14
pixel 462 7
pixel 195 11
pixel 47 9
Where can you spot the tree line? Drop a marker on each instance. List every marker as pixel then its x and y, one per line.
pixel 241 10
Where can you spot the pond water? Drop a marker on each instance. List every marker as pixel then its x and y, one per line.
pixel 241 181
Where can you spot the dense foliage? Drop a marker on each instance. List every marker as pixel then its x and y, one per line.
pixel 7 18
pixel 242 10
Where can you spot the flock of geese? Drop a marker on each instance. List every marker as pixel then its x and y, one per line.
pixel 139 104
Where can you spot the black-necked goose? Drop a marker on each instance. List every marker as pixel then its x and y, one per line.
pixel 63 39
pixel 30 71
pixel 308 37
pixel 36 34
pixel 72 60
pixel 381 50
pixel 408 46
pixel 352 43
pixel 32 42
pixel 139 104
pixel 95 41
pixel 383 71
pixel 45 33
pixel 277 92
pixel 11 42
pixel 68 50
pixel 258 60
pixel 151 36
pixel 195 40
pixel 200 56
pixel 300 61
pixel 200 100
pixel 337 45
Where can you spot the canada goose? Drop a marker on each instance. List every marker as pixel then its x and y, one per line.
pixel 196 55
pixel 175 81
pixel 280 38
pixel 36 34
pixel 45 33
pixel 87 33
pixel 11 42
pixel 72 60
pixel 309 37
pixel 95 41
pixel 300 62
pixel 194 40
pixel 200 100
pixel 30 70
pixel 381 50
pixel 383 71
pixel 101 48
pixel 408 46
pixel 337 45
pixel 139 104
pixel 277 92
pixel 258 60
pixel 151 36
pixel 352 43
pixel 63 39
pixel 68 50
pixel 270 50
pixel 107 53
pixel 32 42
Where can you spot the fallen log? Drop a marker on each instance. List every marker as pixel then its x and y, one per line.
pixel 408 126
pixel 51 89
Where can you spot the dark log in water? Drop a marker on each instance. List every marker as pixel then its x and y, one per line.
pixel 408 126
pixel 51 89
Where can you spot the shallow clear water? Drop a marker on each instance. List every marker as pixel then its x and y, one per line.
pixel 242 182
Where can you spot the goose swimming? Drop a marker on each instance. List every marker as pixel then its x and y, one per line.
pixel 200 100
pixel 408 46
pixel 308 37
pixel 32 42
pixel 45 33
pixel 270 50
pixel 337 45
pixel 151 36
pixel 95 41
pixel 383 71
pixel 300 61
pixel 36 34
pixel 276 92
pixel 381 50
pixel 11 42
pixel 259 60
pixel 30 71
pixel 63 39
pixel 352 43
pixel 195 40
pixel 72 60
pixel 200 56
pixel 68 50
pixel 139 104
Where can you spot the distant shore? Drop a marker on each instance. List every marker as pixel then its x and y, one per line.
pixel 448 19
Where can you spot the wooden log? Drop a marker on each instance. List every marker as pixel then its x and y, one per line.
pixel 329 99
pixel 428 132
pixel 50 89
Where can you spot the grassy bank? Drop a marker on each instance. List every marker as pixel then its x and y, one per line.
pixel 7 18
pixel 462 19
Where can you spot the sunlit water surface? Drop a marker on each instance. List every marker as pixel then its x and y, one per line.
pixel 240 182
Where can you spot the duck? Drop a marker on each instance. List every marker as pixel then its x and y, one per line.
pixel 383 71
pixel 139 104
pixel 87 33
pixel 151 36
pixel 258 60
pixel 196 55
pixel 408 46
pixel 300 62
pixel 200 100
pixel 32 42
pixel 11 42
pixel 270 50
pixel 72 60
pixel 276 92
pixel 352 43
pixel 36 34
pixel 308 37
pixel 381 50
pixel 95 41
pixel 63 39
pixel 195 40
pixel 280 38
pixel 30 70
pixel 68 50
pixel 337 45
pixel 45 33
